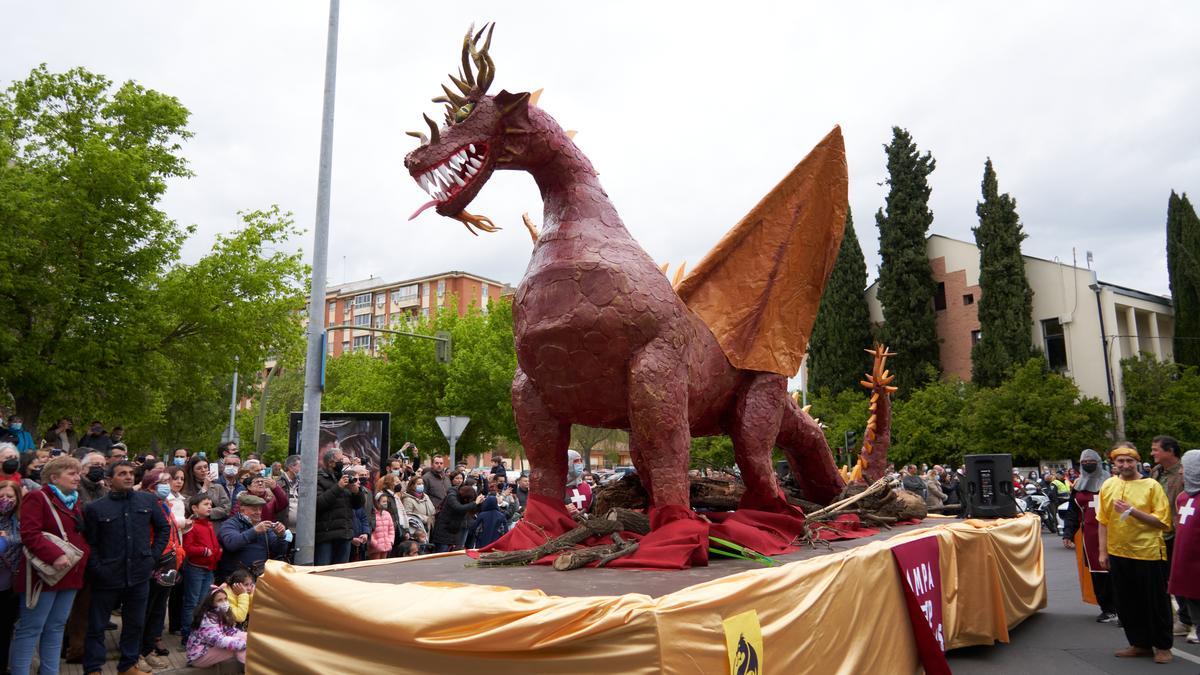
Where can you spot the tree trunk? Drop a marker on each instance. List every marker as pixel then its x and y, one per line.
pixel 30 410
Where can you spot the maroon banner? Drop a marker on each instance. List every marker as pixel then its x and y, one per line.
pixel 922 575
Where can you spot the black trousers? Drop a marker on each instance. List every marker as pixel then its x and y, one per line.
pixel 1102 586
pixel 133 618
pixel 1143 604
pixel 156 614
pixel 9 609
pixel 175 608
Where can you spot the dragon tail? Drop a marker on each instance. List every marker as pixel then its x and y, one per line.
pixel 872 458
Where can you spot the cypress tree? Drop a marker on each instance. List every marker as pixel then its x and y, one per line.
pixel 906 286
pixel 1006 308
pixel 842 331
pixel 1183 270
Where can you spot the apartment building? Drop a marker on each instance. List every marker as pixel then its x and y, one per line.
pixel 1083 325
pixel 378 303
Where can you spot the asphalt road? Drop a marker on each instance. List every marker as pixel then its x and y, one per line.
pixel 1064 638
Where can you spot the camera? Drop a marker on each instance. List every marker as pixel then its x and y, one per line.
pixel 352 480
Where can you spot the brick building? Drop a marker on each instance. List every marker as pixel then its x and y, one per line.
pixel 377 303
pixel 1083 325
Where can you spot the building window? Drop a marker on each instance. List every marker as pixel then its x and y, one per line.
pixel 969 299
pixel 441 287
pixel 1055 344
pixel 976 336
pixel 362 320
pixel 345 346
pixel 425 312
pixel 939 298
pixel 362 342
pixel 404 293
pixel 380 299
pixel 332 308
pixel 362 300
pixel 379 320
pixel 348 306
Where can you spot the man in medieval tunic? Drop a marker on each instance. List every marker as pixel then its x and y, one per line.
pixel 1133 515
pixel 1082 533
pixel 1185 564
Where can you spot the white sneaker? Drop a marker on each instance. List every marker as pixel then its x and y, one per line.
pixel 1192 638
pixel 1181 628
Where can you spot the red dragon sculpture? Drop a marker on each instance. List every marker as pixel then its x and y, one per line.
pixel 602 338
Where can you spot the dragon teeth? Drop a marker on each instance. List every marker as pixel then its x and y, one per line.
pixel 471 170
pixel 461 156
pixel 475 163
pixel 471 148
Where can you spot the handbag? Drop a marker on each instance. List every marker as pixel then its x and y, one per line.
pixel 48 574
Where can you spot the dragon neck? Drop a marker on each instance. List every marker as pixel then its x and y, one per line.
pixel 572 196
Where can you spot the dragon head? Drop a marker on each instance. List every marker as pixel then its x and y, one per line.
pixel 455 160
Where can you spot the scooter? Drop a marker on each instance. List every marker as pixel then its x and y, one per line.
pixel 1035 501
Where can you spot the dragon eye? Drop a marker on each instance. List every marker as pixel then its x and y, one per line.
pixel 463 112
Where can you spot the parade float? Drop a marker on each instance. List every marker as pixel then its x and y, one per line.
pixel 604 339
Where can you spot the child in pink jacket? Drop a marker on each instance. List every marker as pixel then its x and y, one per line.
pixel 384 535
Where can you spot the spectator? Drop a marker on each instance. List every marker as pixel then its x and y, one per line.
pixel 395 507
pixel 911 481
pixel 383 537
pixel 91 483
pixel 179 457
pixel 10 463
pixel 451 518
pixel 418 504
pixel 10 560
pixel 94 466
pixel 239 588
pixel 364 516
pixel 24 440
pixel 197 479
pixel 128 532
pixel 231 464
pixel 1133 516
pixel 176 502
pixel 213 637
pixel 498 467
pixel 202 549
pixel 275 507
pixel 227 448
pixel 247 541
pixel 96 438
pixel 54 510
pixel 934 497
pixel 62 436
pixel 409 548
pixel 949 486
pixel 158 483
pixel 337 497
pixel 522 491
pixel 491 523
pixel 116 452
pixel 1168 471
pixel 437 485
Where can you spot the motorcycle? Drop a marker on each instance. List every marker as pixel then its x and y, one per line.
pixel 1036 501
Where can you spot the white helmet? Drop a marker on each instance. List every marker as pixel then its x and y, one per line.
pixel 1030 488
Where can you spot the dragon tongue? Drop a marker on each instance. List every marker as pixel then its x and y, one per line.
pixel 432 202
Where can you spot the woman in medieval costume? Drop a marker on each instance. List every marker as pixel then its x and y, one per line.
pixel 1082 533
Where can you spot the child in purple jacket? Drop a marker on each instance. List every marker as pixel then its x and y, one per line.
pixel 214 637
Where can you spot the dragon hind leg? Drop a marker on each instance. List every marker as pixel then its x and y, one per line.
pixel 808 455
pixel 757 414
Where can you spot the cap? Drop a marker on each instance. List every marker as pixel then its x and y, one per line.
pixel 247 499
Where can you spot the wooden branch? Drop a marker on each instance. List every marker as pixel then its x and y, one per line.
pixel 836 507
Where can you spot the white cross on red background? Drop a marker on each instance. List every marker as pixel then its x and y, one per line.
pixel 1185 511
pixel 577 498
pixel 1095 503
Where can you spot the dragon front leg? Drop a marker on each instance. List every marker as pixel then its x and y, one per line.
pixel 544 438
pixel 659 437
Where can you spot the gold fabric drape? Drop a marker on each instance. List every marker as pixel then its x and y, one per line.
pixel 838 613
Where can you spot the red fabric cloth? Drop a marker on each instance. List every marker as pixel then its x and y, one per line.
pixel 678 536
pixel 1185 559
pixel 36 519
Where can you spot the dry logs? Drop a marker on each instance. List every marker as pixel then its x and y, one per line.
pixel 616 520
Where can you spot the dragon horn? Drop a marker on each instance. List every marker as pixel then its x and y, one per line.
pixel 418 135
pixel 457 100
pixel 434 134
pixel 466 58
pixel 462 86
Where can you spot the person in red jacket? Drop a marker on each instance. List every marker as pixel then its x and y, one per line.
pixel 203 551
pixel 42 625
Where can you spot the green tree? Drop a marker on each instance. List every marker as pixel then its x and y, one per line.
pixel 715 452
pixel 1183 270
pixel 928 426
pixel 906 286
pixel 1006 305
pixel 840 412
pixel 1161 398
pixel 103 319
pixel 586 440
pixel 836 356
pixel 1035 414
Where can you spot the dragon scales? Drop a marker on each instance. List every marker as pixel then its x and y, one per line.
pixel 602 338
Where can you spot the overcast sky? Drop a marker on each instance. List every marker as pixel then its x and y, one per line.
pixel 1088 110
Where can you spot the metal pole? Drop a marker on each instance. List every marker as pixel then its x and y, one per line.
pixel 233 403
pixel 453 441
pixel 310 432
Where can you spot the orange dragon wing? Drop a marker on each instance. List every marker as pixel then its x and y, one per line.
pixel 759 288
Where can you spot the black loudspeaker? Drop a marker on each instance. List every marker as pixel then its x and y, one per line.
pixel 989 492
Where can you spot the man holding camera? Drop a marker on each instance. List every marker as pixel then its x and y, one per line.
pixel 247 541
pixel 338 494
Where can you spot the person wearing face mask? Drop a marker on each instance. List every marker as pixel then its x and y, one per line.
pixel 10 463
pixel 10 559
pixel 158 483
pixel 16 427
pixel 215 637
pixel 578 498
pixel 338 495
pixel 418 504
pixel 1082 533
pixel 230 466
pixel 179 457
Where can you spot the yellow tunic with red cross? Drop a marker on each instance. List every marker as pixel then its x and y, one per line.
pixel 1129 537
